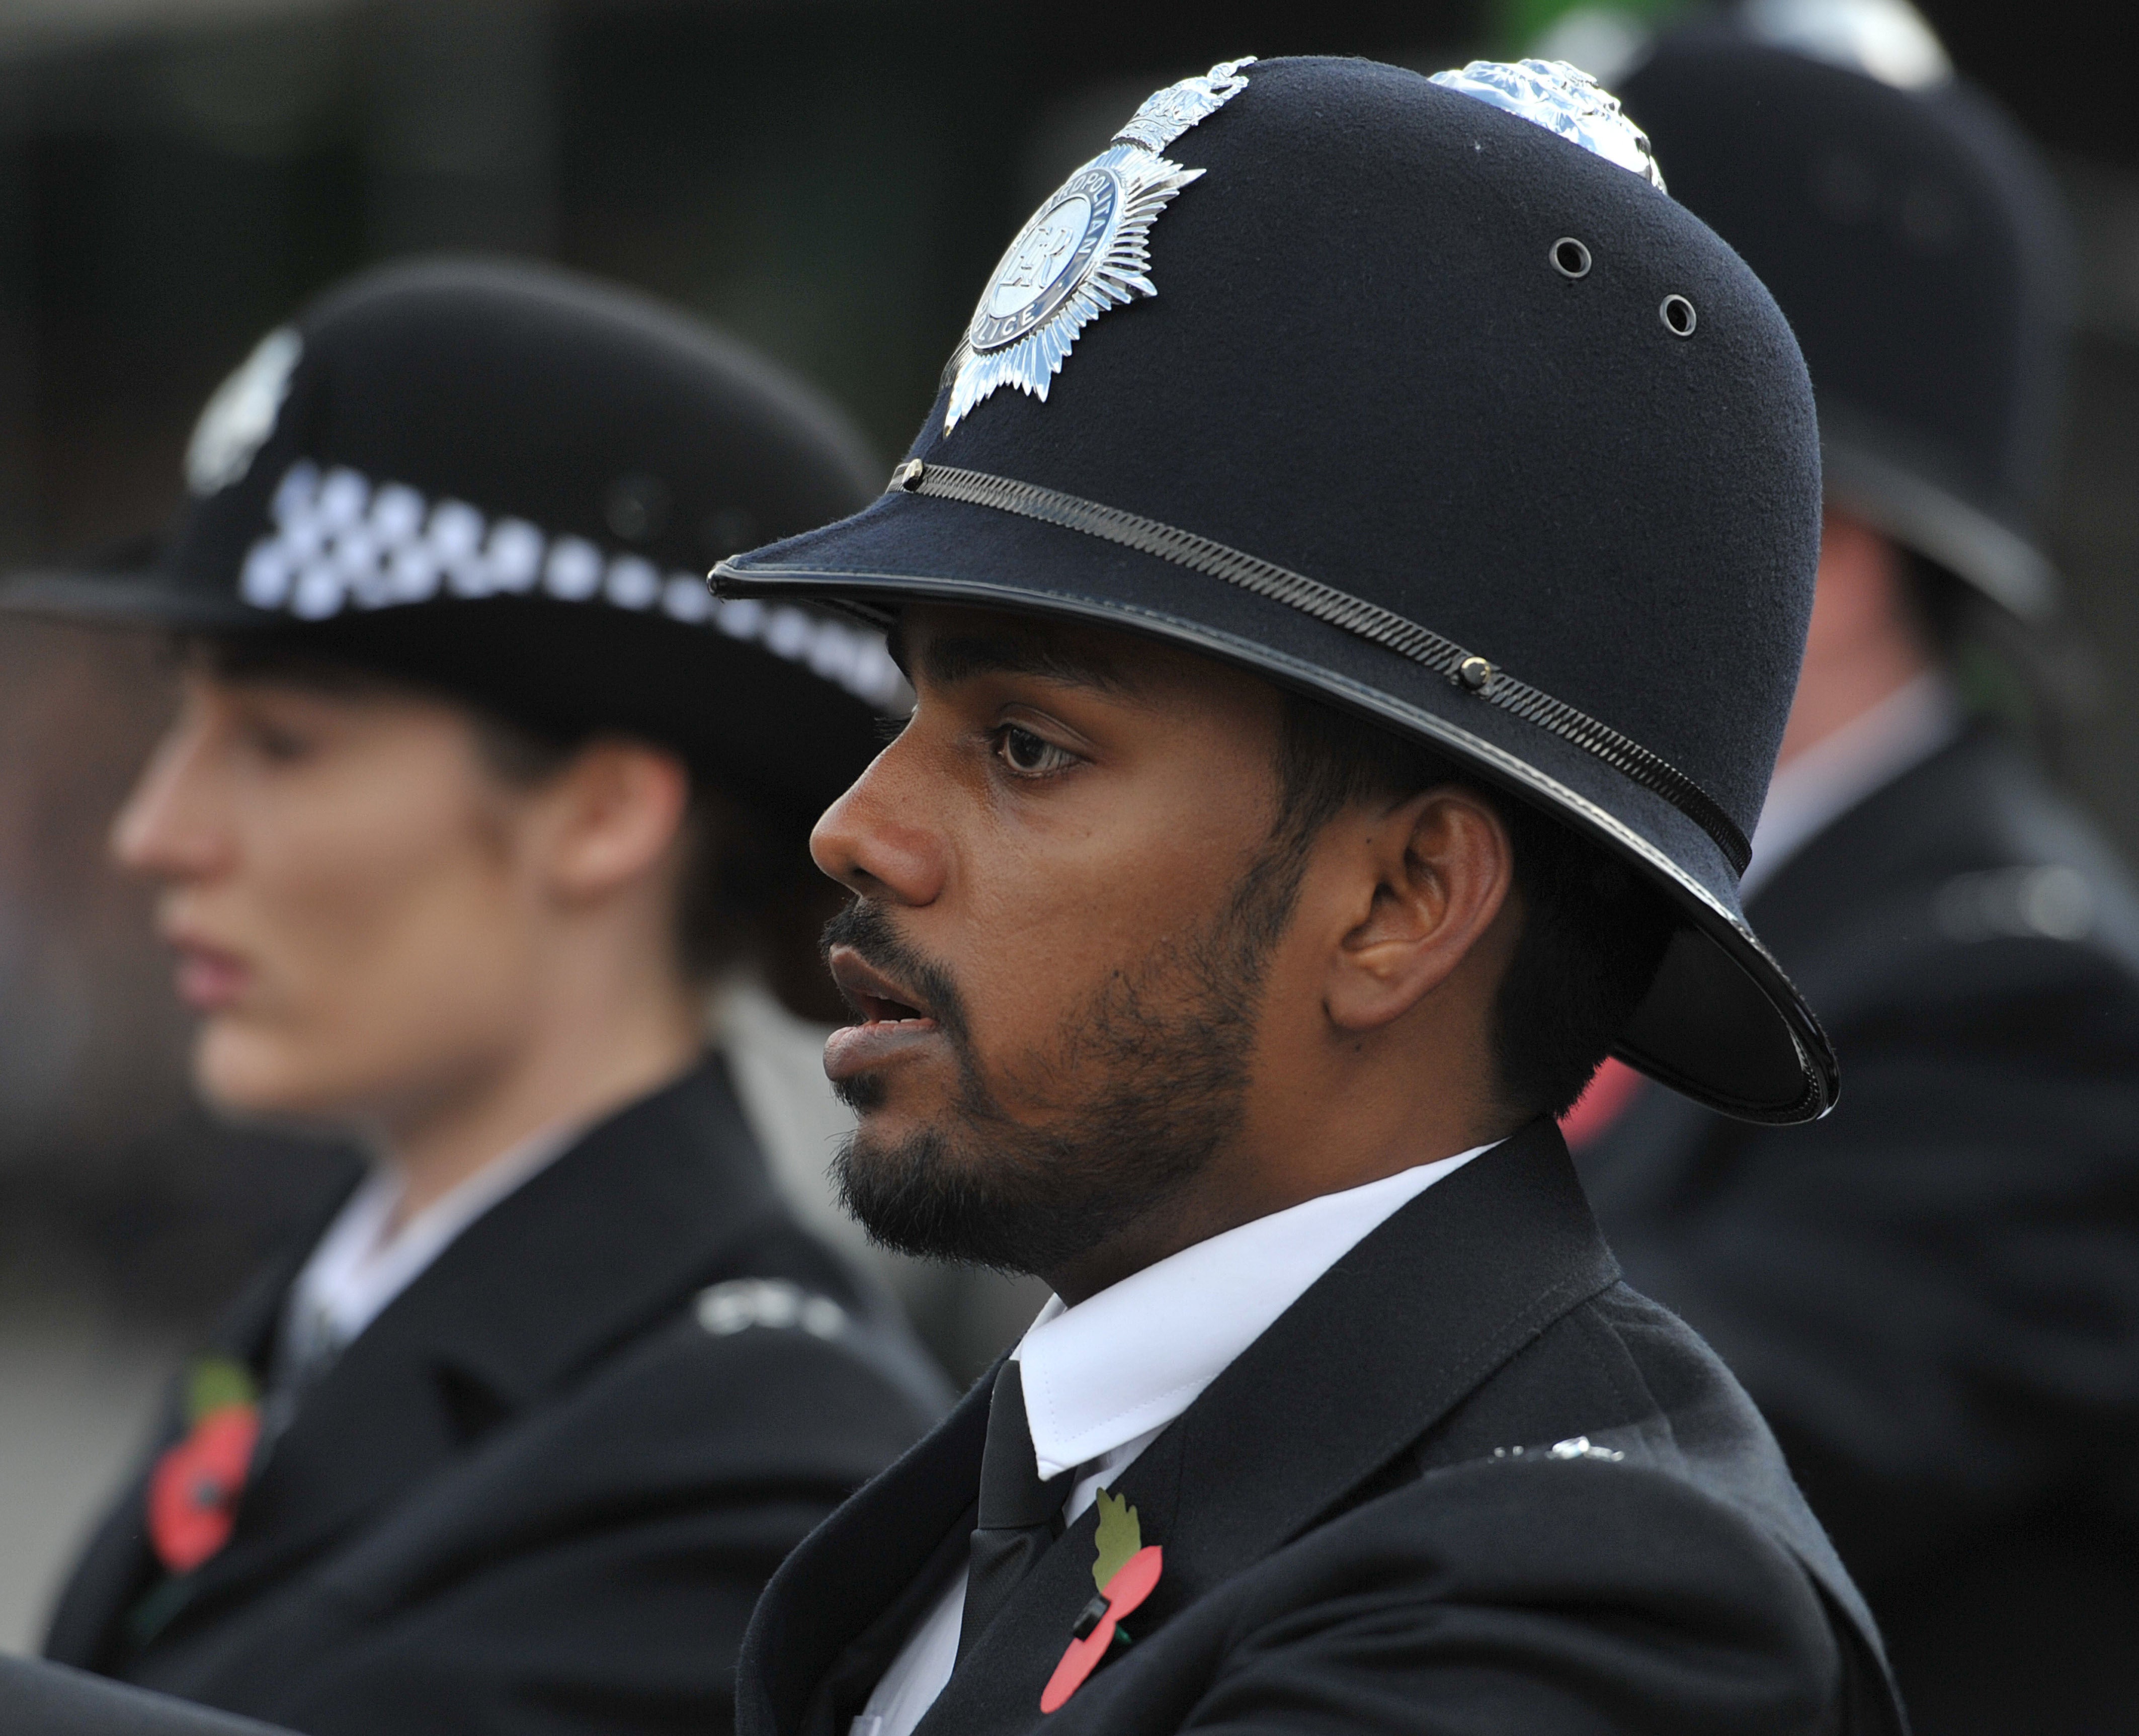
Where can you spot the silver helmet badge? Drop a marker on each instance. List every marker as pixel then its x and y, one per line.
pixel 241 416
pixel 1563 99
pixel 1084 250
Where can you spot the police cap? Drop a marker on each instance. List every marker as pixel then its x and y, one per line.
pixel 506 482
pixel 1919 250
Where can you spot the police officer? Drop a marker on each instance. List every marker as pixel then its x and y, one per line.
pixel 1354 579
pixel 472 790
pixel 1934 1294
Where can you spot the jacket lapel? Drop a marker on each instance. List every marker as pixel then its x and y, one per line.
pixel 838 1611
pixel 1382 1347
pixel 589 1251
pixel 1903 836
pixel 119 1565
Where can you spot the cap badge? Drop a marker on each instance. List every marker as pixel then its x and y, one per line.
pixel 241 416
pixel 1084 250
pixel 1563 99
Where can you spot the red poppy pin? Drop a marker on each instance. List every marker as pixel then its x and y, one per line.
pixel 1607 1097
pixel 1126 1571
pixel 193 1490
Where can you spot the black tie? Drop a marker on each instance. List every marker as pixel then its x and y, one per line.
pixel 1019 1513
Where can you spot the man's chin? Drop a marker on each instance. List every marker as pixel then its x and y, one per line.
pixel 905 1184
pixel 892 1111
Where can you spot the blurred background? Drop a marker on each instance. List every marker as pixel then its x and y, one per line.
pixel 831 181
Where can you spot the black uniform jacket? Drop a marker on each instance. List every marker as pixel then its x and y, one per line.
pixel 1469 1483
pixel 1934 1293
pixel 540 1493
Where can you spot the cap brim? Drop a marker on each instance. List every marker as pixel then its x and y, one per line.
pixel 550 666
pixel 1722 1024
pixel 1897 498
pixel 142 599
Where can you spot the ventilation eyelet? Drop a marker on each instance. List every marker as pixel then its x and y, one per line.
pixel 1569 258
pixel 1677 314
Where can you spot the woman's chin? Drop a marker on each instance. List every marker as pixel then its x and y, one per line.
pixel 243 1072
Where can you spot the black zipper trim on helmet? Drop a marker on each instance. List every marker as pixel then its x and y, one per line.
pixel 1369 621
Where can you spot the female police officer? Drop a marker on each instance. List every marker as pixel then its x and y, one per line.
pixel 471 792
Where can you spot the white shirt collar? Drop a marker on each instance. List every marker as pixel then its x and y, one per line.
pixel 357 1269
pixel 1102 1378
pixel 1127 1361
pixel 1832 776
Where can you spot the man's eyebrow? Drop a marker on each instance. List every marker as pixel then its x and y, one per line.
pixel 947 658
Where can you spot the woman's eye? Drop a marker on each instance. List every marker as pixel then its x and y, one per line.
pixel 279 746
pixel 1028 755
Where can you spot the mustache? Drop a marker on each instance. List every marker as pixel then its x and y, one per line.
pixel 867 929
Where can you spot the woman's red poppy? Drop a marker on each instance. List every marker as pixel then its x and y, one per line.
pixel 193 1490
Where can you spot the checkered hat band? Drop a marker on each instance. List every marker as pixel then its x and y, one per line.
pixel 342 541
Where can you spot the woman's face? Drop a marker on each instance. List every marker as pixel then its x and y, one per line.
pixel 350 892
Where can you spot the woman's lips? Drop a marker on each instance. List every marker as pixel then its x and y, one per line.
pixel 209 981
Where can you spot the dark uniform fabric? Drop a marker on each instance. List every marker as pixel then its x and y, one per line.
pixel 1934 1293
pixel 1385 1516
pixel 51 1699
pixel 540 1493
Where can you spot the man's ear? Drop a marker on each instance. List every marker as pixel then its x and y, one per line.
pixel 1427 885
pixel 614 811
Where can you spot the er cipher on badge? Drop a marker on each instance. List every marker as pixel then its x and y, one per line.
pixel 1085 251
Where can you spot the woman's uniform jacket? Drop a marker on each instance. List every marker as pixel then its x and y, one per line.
pixel 540 1494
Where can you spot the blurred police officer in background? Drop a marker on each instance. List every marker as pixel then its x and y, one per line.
pixel 472 792
pixel 1934 1293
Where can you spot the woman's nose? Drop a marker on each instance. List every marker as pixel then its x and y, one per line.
pixel 164 829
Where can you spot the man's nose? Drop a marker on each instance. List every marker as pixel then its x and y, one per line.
pixel 877 840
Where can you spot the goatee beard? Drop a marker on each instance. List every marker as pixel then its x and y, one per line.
pixel 1157 1060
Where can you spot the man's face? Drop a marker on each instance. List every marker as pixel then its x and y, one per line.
pixel 1066 891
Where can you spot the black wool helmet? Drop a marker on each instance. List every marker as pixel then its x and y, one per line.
pixel 1920 252
pixel 1420 397
pixel 505 482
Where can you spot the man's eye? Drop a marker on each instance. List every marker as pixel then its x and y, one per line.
pixel 1029 756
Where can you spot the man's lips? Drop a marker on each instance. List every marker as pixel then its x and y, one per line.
pixel 875 997
pixel 893 1019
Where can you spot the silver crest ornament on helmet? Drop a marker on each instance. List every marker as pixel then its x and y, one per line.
pixel 238 419
pixel 1084 250
pixel 1563 99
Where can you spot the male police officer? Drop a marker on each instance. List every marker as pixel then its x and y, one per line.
pixel 1352 579
pixel 472 788
pixel 1934 1295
